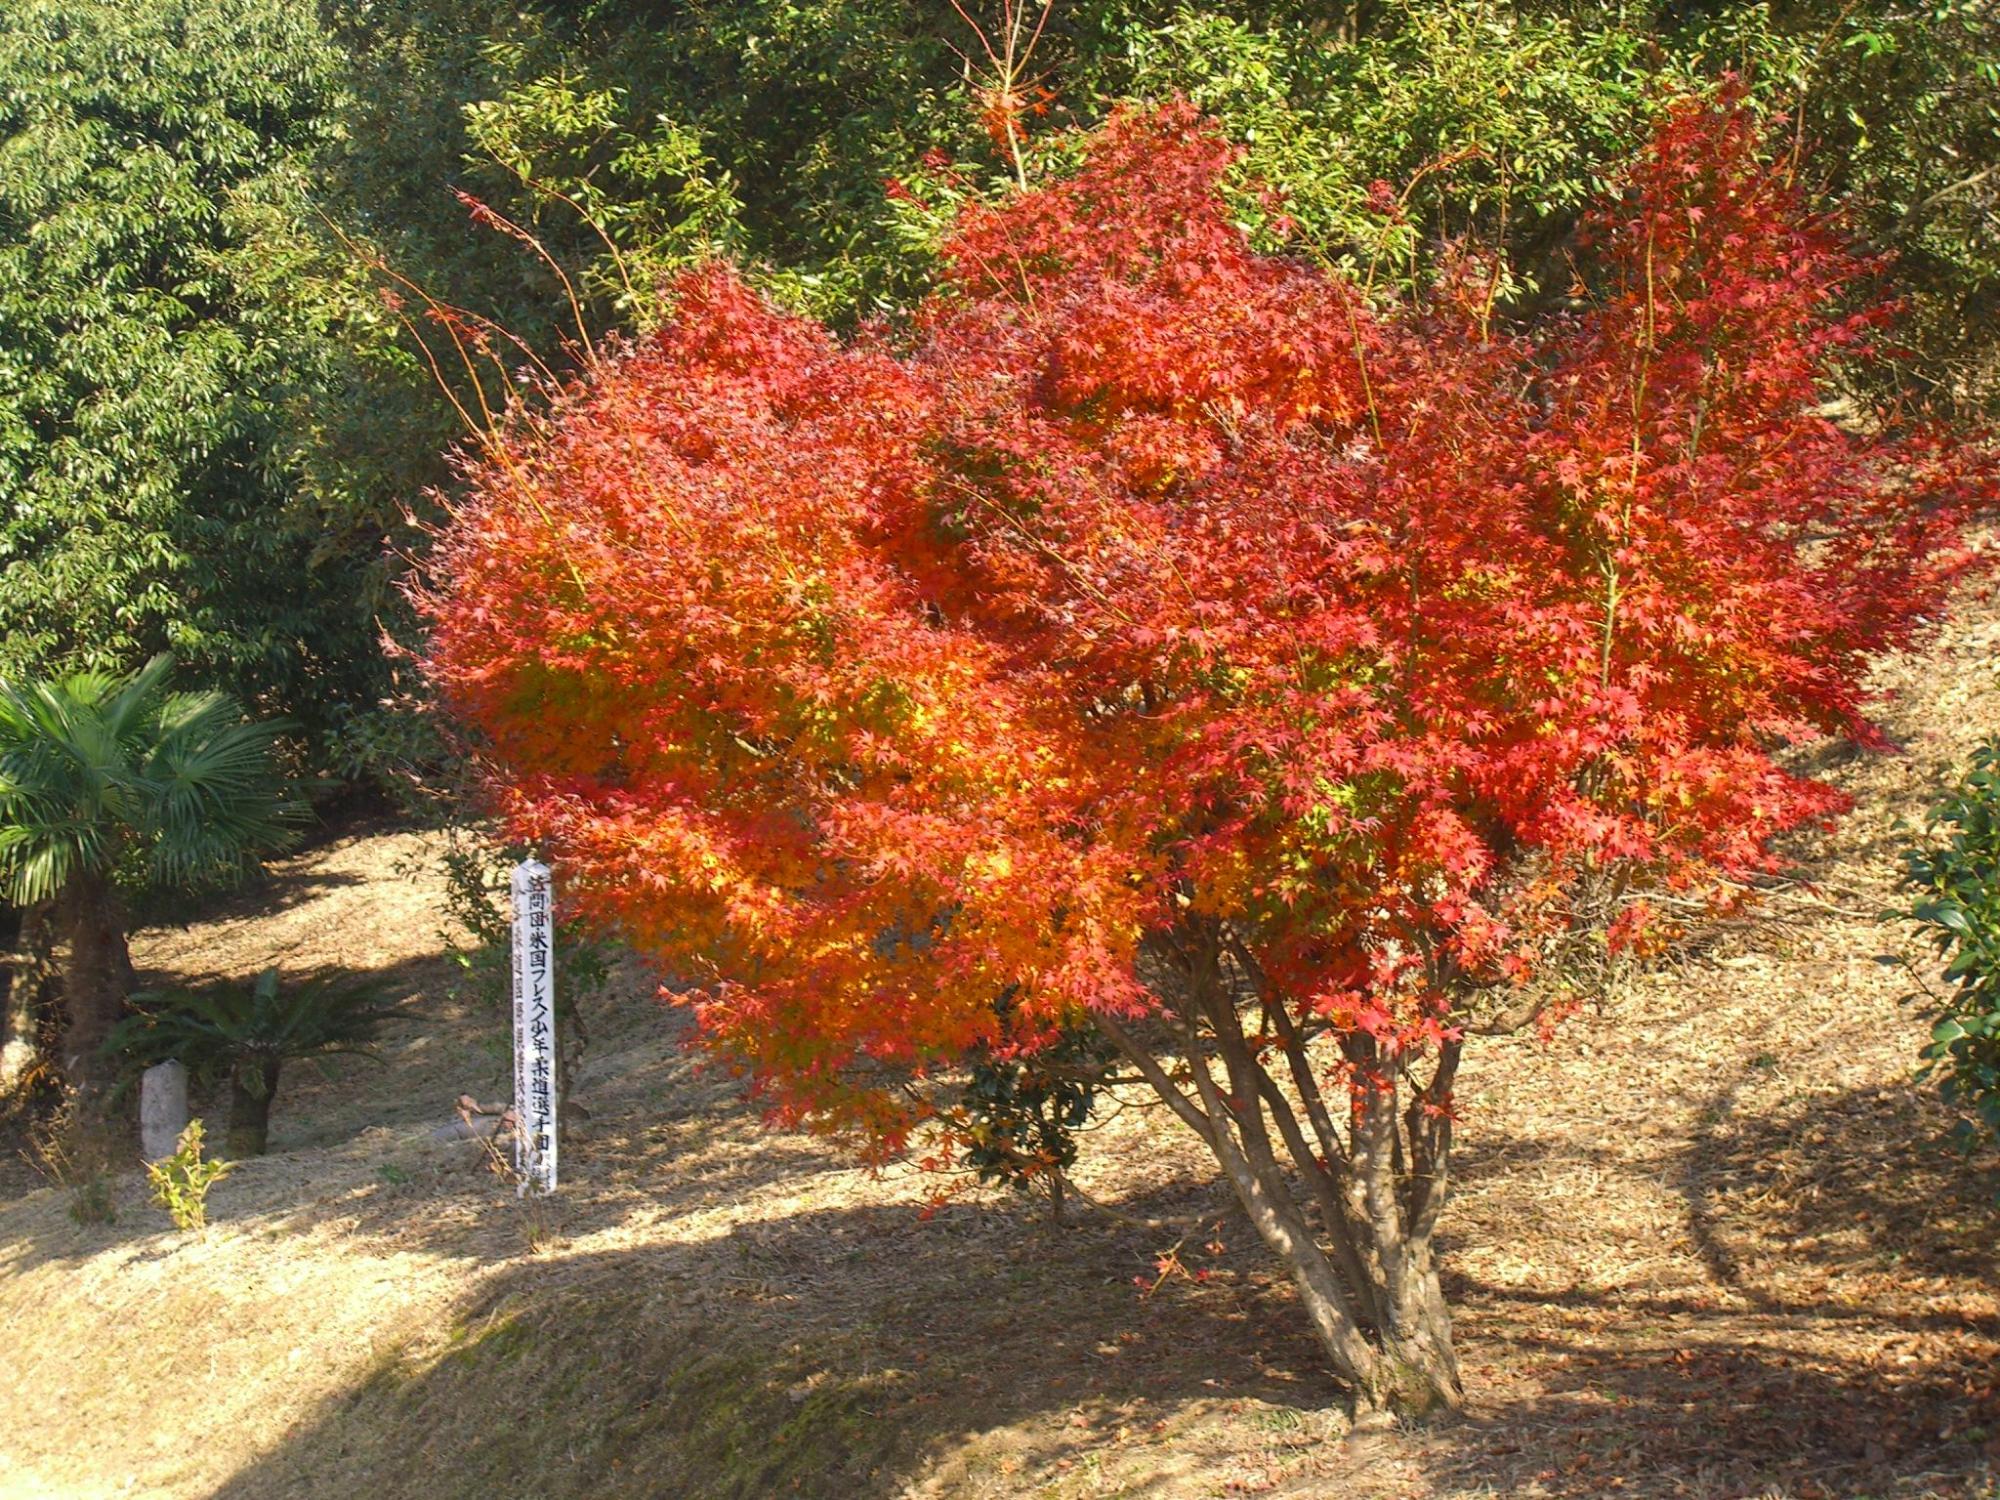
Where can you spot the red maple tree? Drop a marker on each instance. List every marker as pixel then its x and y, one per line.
pixel 1186 641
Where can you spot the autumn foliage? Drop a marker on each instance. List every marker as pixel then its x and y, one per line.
pixel 1289 677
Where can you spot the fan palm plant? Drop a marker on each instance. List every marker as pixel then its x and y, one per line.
pixel 246 1034
pixel 102 774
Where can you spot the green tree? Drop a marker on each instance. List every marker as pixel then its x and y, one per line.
pixel 803 108
pixel 105 776
pixel 151 158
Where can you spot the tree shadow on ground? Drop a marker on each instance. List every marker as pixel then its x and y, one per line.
pixel 849 1351
pixel 829 1353
pixel 1826 1331
pixel 846 1352
pixel 1848 1180
pixel 636 1338
pixel 265 893
pixel 1710 1406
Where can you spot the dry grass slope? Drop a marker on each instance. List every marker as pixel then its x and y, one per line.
pixel 1704 1246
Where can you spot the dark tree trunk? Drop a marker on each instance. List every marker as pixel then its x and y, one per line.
pixel 97 980
pixel 17 1015
pixel 19 1035
pixel 252 1087
pixel 1366 1275
pixel 31 978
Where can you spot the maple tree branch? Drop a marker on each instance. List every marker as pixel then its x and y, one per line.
pixel 1246 1159
pixel 1154 1074
pixel 1428 1121
pixel 1326 1177
pixel 1510 1020
pixel 1294 1046
pixel 1021 530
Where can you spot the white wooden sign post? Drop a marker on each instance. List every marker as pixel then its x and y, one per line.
pixel 535 1100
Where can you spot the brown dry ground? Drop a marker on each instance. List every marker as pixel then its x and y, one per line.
pixel 1706 1244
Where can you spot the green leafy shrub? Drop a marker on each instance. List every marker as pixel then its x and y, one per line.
pixel 1956 878
pixel 244 1034
pixel 181 1181
pixel 1023 1106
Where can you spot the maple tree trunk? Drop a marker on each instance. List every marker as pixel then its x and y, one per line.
pixel 1366 1273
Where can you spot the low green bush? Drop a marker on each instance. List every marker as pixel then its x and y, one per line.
pixel 1021 1107
pixel 1954 877
pixel 244 1034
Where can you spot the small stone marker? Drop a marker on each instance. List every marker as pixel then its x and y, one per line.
pixel 163 1109
pixel 534 1027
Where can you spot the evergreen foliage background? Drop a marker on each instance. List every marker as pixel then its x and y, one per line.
pixel 215 438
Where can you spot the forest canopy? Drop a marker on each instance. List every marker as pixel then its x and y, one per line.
pixel 215 438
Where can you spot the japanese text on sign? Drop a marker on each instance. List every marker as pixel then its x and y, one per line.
pixel 535 1101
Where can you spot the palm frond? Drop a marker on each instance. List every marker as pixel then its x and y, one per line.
pixel 218 1030
pixel 93 762
pixel 213 800
pixel 38 859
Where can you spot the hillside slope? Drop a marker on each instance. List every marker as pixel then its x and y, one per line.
pixel 1705 1245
